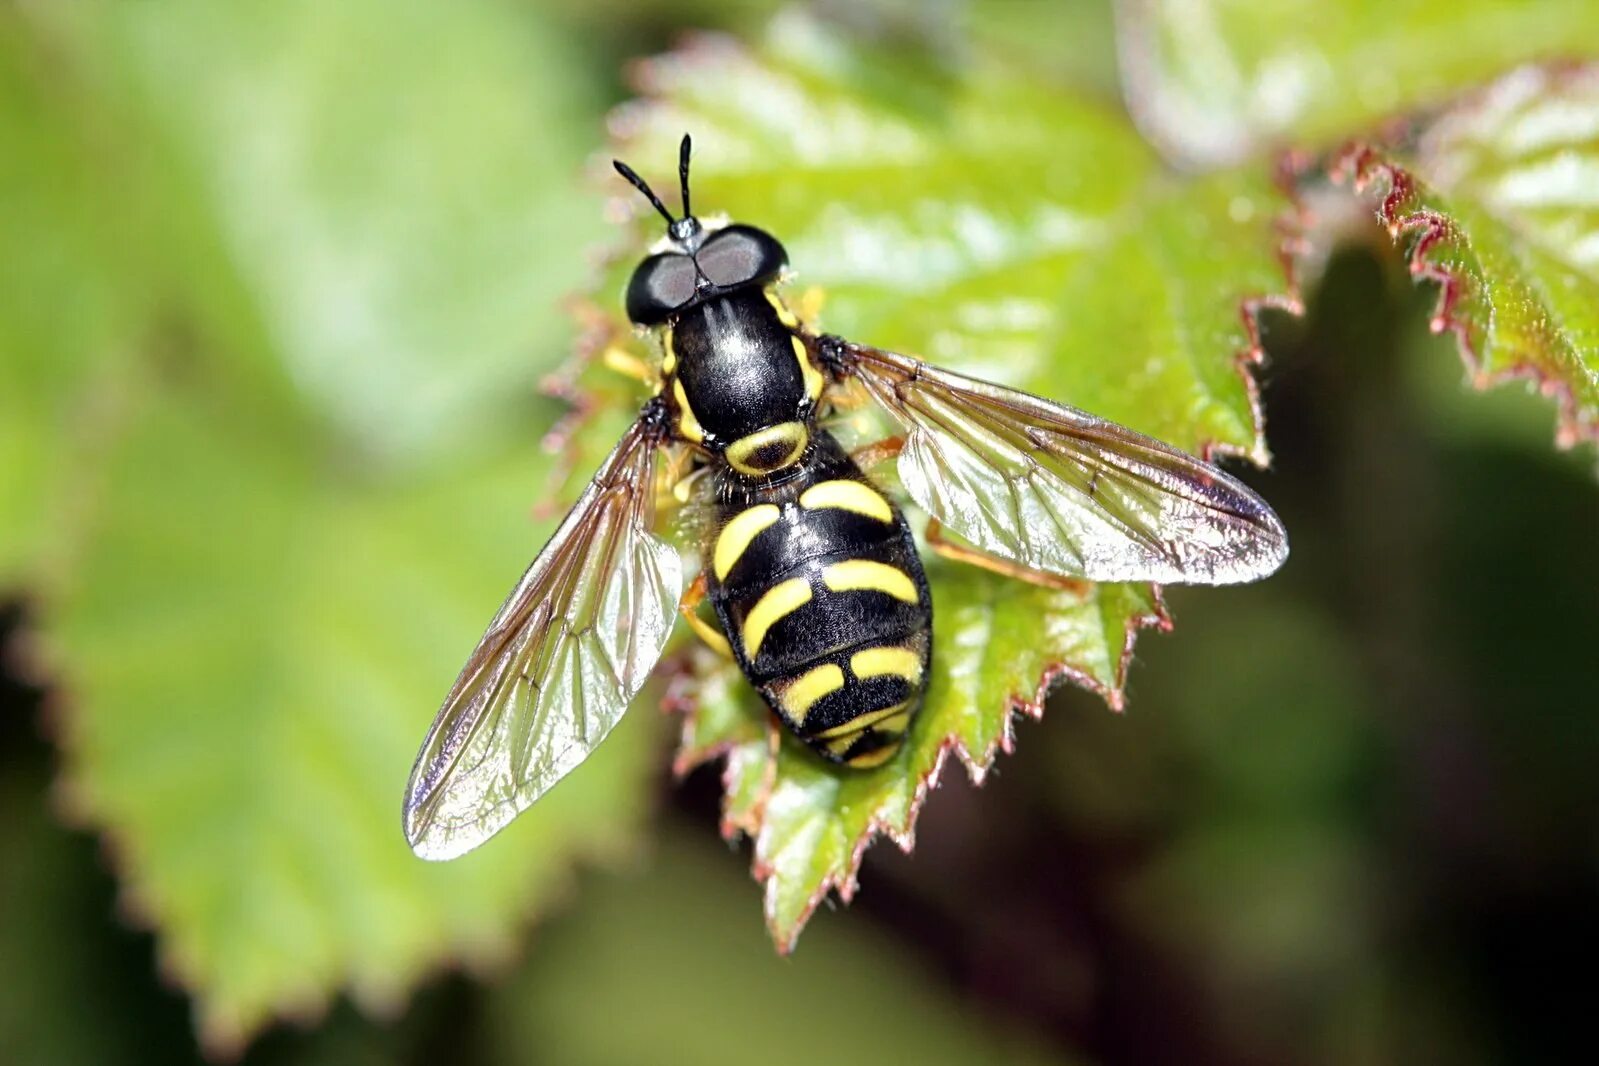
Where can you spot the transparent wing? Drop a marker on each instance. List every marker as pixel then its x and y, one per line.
pixel 569 649
pixel 1057 489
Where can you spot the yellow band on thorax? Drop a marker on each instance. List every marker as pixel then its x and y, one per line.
pixel 669 352
pixel 784 315
pixel 687 423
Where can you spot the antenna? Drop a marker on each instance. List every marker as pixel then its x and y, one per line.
pixel 682 172
pixel 642 186
pixel 685 230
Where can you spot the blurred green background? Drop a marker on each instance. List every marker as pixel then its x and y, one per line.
pixel 279 283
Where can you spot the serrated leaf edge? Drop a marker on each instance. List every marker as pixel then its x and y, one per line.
pixel 225 1037
pixel 977 766
pixel 1368 170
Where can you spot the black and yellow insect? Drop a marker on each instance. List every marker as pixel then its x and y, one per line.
pixel 810 568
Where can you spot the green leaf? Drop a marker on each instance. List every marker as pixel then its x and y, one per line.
pixel 255 641
pixel 361 226
pixel 1495 204
pixel 346 229
pixel 265 395
pixel 70 292
pixel 1004 227
pixel 1217 81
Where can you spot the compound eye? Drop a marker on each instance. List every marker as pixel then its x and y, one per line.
pixel 741 254
pixel 660 285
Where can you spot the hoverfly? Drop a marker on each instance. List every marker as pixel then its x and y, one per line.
pixel 810 568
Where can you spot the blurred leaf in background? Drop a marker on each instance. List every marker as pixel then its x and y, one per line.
pixel 280 281
pixel 309 435
pixel 866 996
pixel 1218 81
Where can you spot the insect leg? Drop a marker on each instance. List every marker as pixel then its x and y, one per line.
pixel 627 364
pixel 683 485
pixel 810 303
pixel 881 451
pixel 965 553
pixel 600 340
pixel 688 607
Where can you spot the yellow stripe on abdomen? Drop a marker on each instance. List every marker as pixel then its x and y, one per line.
pixel 875 757
pixel 738 534
pixel 845 495
pixel 886 660
pixel 862 721
pixel 804 691
pixel 868 574
pixel 780 601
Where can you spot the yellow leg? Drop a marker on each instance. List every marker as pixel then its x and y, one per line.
pixel 809 304
pixel 679 471
pixel 599 338
pixel 688 607
pixel 846 395
pixel 563 384
pixel 683 484
pixel 627 364
pixel 965 553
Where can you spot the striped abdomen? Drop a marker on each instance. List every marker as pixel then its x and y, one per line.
pixel 820 591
